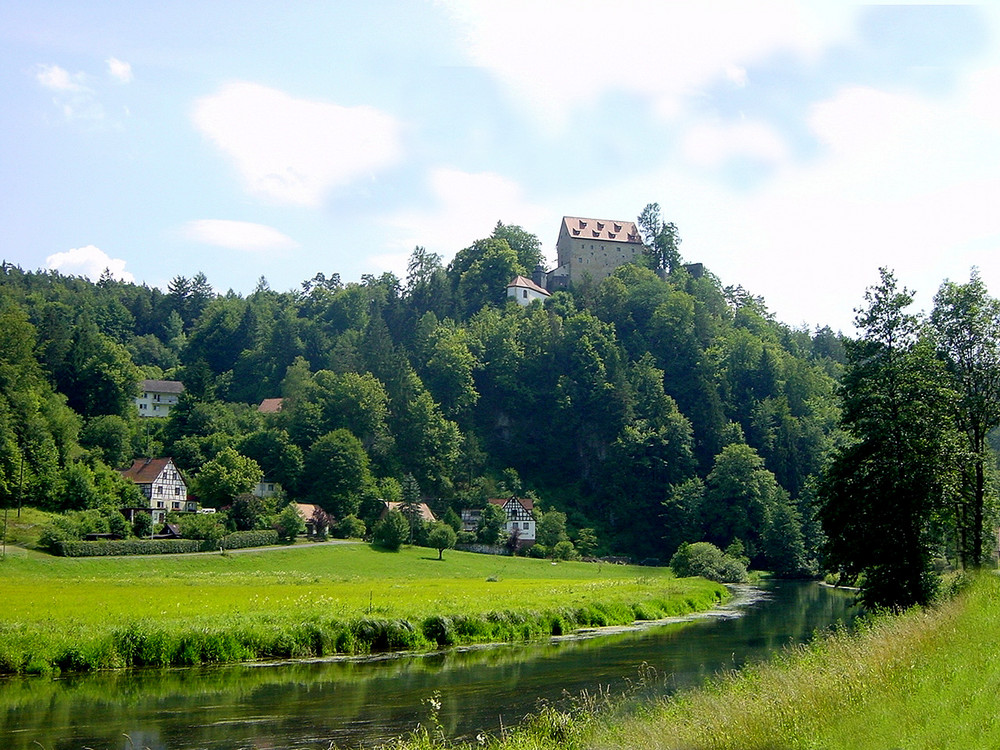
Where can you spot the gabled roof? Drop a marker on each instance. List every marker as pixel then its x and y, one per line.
pixel 425 513
pixel 163 386
pixel 608 230
pixel 270 405
pixel 145 470
pixel 525 502
pixel 520 282
pixel 307 510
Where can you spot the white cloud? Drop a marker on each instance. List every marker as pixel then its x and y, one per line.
pixel 712 144
pixel 71 94
pixel 904 182
pixel 120 70
pixel 561 54
pixel 295 150
pixel 238 235
pixel 467 208
pixel 89 261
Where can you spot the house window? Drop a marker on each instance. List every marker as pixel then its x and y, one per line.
pixel 525 525
pixel 176 506
pixel 177 490
pixel 159 490
pixel 524 293
pixel 159 504
pixel 142 406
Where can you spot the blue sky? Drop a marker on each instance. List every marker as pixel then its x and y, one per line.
pixel 797 146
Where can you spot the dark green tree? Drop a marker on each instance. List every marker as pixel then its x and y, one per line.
pixel 336 473
pixel 883 494
pixel 391 531
pixel 966 322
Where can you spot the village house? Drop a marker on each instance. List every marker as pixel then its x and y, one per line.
pixel 162 485
pixel 158 397
pixel 520 518
pixel 267 488
pixel 525 291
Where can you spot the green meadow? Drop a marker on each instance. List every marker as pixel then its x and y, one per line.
pixel 80 614
pixel 924 679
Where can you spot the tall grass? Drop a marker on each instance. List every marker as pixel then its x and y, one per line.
pixel 87 614
pixel 923 679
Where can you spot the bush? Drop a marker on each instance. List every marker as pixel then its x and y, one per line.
pixel 538 551
pixel 564 550
pixel 350 527
pixel 290 523
pixel 708 561
pixel 391 531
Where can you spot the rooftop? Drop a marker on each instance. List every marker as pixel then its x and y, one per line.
pixel 162 386
pixel 609 230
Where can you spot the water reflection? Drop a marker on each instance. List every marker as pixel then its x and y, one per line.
pixel 363 703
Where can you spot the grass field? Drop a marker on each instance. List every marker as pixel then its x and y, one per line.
pixel 91 613
pixel 925 679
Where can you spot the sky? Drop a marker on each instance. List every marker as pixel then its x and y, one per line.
pixel 797 146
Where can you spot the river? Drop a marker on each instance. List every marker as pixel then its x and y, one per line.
pixel 349 703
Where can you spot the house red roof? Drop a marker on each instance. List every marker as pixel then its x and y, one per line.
pixel 145 470
pixel 270 405
pixel 162 386
pixel 520 282
pixel 526 502
pixel 607 230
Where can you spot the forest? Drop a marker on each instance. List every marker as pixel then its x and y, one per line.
pixel 654 408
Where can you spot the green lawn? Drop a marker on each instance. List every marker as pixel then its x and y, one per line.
pixel 84 613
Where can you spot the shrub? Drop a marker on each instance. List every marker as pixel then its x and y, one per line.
pixel 243 539
pixel 439 629
pixel 290 523
pixel 707 560
pixel 391 531
pixel 350 527
pixel 564 550
pixel 538 551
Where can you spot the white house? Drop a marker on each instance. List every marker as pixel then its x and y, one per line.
pixel 525 291
pixel 158 397
pixel 267 488
pixel 163 486
pixel 520 519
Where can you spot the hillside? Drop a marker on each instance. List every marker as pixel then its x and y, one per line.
pixel 655 407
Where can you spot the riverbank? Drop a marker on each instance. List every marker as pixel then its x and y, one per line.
pixel 924 679
pixel 87 614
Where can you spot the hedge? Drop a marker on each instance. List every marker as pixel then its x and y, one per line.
pixel 243 539
pixel 108 548
pixel 129 547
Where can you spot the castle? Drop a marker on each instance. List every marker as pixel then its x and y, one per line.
pixel 590 248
